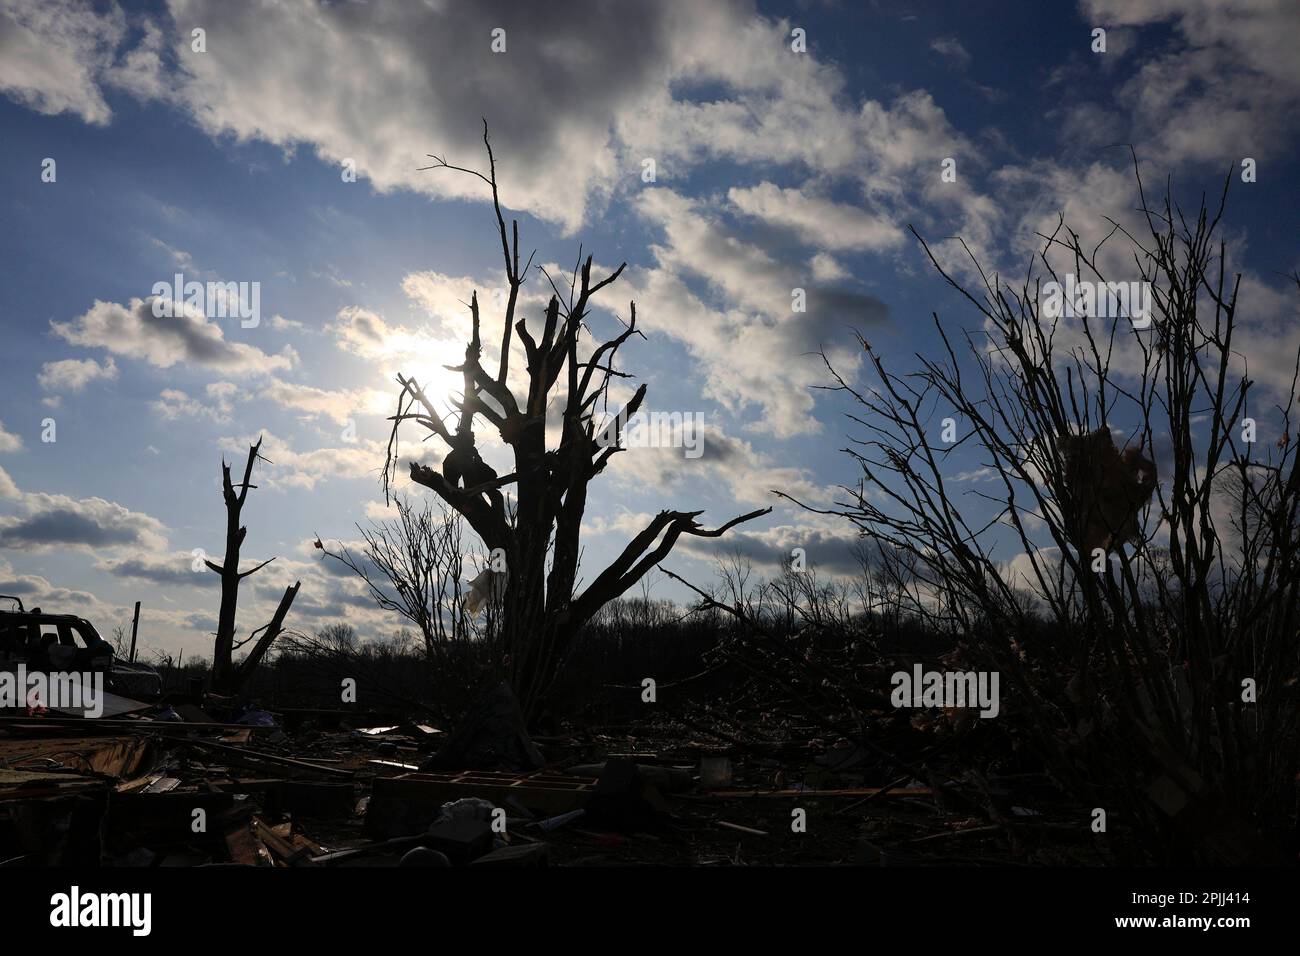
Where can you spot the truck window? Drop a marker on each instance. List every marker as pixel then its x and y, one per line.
pixel 13 636
pixel 71 635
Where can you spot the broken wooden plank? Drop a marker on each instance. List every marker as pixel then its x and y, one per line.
pixel 282 849
pixel 235 754
pixel 392 765
pixel 741 829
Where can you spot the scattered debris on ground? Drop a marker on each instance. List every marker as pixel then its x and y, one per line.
pixel 192 782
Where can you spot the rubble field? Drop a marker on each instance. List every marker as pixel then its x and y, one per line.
pixel 198 782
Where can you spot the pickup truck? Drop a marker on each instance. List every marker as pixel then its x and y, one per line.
pixel 65 642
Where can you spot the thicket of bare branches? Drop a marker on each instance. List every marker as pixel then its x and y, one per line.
pixel 1159 611
pixel 413 565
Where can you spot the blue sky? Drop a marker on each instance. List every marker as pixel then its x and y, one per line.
pixel 774 170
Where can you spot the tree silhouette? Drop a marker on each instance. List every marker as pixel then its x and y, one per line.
pixel 226 676
pixel 538 534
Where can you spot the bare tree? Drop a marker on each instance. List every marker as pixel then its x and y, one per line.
pixel 224 677
pixel 412 565
pixel 121 641
pixel 1163 689
pixel 542 610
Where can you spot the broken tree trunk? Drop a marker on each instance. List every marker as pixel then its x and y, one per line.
pixel 249 663
pixel 222 671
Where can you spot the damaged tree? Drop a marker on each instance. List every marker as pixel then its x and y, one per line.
pixel 225 677
pixel 1171 599
pixel 538 536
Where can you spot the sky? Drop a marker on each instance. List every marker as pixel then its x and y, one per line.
pixel 729 152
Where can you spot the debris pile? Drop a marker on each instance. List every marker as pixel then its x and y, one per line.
pixel 199 782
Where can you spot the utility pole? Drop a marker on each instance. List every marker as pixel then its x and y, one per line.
pixel 135 626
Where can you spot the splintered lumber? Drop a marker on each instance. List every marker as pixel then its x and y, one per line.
pixel 389 766
pixel 283 849
pixel 119 757
pixel 739 829
pixel 255 757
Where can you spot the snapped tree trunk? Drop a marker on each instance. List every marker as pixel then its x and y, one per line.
pixel 228 570
pixel 273 629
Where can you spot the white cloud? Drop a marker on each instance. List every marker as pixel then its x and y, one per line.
pixel 281 324
pixel 179 257
pixel 726 464
pixel 141 71
pixel 172 403
pixel 388 87
pixel 365 333
pixel 826 268
pixel 421 352
pixel 72 375
pixel 1226 89
pixel 9 441
pixel 172 569
pixel 134 331
pixel 411 79
pixel 818 221
pixel 1022 573
pixel 8 489
pixel 287 467
pixel 340 406
pixel 780 345
pixel 950 48
pixel 46 522
pixel 52 52
pixel 36 591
